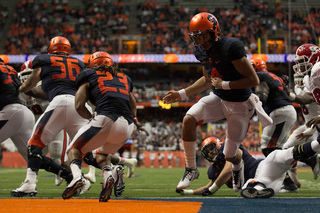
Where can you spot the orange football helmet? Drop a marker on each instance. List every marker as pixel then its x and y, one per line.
pixel 204 27
pixel 59 44
pixel 98 58
pixel 259 65
pixel 210 148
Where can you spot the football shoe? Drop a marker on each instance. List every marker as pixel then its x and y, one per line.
pixel 106 191
pixel 188 177
pixel 131 164
pixel 119 185
pixel 316 169
pixel 252 192
pixel 86 187
pixel 72 188
pixel 27 188
pixel 58 180
pixel 91 175
pixel 289 187
pixel 238 178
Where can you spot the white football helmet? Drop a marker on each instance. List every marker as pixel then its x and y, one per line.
pixel 26 70
pixel 306 56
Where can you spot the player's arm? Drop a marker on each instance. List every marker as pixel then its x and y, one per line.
pixel 81 98
pixel 31 81
pixel 200 85
pixel 262 91
pixel 212 186
pixel 243 66
pixel 306 98
pixel 37 92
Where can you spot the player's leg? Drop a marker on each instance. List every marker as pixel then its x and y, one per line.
pixel 269 175
pixel 238 118
pixel 207 109
pixel 16 122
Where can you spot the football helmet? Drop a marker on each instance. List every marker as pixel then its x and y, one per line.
pixel 99 58
pixel 59 44
pixel 306 56
pixel 204 30
pixel 25 71
pixel 210 148
pixel 259 65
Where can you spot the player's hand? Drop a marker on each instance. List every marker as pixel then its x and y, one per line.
pixel 216 82
pixel 313 121
pixel 302 136
pixel 171 97
pixel 180 191
pixel 206 192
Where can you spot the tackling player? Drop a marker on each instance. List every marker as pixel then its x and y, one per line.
pixel 264 177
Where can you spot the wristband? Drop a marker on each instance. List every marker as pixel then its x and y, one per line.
pixel 183 94
pixel 187 192
pixel 225 85
pixel 292 96
pixel 213 188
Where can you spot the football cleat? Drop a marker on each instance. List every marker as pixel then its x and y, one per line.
pixel 119 183
pixel 106 191
pixel 250 192
pixel 316 169
pixel 72 188
pixel 188 177
pixel 91 175
pixel 58 180
pixel 238 178
pixel 26 189
pixel 289 187
pixel 131 164
pixel 86 187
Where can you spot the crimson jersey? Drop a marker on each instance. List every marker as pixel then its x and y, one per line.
pixel 218 64
pixel 109 93
pixel 277 96
pixel 9 85
pixel 58 73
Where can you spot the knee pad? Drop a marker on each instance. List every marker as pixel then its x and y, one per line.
pixel 90 160
pixel 34 152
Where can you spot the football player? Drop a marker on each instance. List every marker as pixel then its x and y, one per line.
pixel 264 177
pixel 109 89
pixel 16 120
pixel 277 104
pixel 306 56
pixel 57 148
pixel 231 76
pixel 57 70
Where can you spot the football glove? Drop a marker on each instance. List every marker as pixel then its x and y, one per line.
pixel 206 192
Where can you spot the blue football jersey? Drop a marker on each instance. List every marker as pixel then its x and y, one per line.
pixel 108 92
pixel 218 64
pixel 58 73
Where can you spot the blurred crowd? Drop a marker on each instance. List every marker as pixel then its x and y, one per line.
pixel 97 25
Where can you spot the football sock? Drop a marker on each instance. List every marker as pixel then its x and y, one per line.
pixel 190 154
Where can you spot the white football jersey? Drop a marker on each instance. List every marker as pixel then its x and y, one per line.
pixel 314 82
pixel 37 106
pixel 309 110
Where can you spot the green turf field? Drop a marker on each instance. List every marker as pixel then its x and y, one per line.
pixel 147 182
